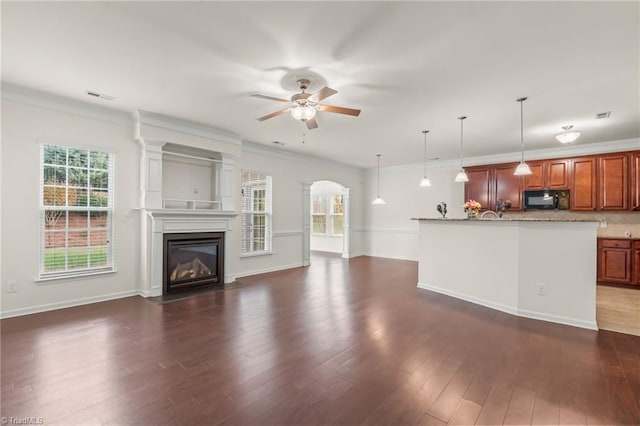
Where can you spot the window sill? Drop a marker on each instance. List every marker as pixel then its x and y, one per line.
pixel 256 254
pixel 70 276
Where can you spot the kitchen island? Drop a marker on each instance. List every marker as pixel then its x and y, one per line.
pixel 536 268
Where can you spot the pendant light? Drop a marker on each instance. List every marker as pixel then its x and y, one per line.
pixel 568 136
pixel 378 200
pixel 425 180
pixel 523 168
pixel 462 175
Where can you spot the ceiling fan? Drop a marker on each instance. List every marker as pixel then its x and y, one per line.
pixel 303 106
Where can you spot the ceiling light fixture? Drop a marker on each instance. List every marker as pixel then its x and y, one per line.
pixel 462 175
pixel 523 168
pixel 303 112
pixel 378 200
pixel 568 135
pixel 425 180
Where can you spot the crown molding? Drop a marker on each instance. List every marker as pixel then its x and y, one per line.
pixel 25 95
pixel 622 145
pixel 185 126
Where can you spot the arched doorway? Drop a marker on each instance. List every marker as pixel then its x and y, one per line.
pixel 327 223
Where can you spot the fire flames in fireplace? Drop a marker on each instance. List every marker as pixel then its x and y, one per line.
pixel 193 260
pixel 194 269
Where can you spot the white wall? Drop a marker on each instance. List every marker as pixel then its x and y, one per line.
pixel 389 230
pixel 23 128
pixel 289 174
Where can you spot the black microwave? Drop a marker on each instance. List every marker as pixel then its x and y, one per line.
pixel 547 199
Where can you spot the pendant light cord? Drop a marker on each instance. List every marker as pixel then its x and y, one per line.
pixel 521 100
pixel 461 133
pixel 425 152
pixel 379 155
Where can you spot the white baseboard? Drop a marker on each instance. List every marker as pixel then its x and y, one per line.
pixel 68 304
pixel 512 310
pixel 266 270
pixel 591 325
pixel 472 299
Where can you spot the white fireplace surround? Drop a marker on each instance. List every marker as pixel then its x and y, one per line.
pixel 159 135
pixel 166 221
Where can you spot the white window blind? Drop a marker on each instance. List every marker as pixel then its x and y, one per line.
pixel 256 212
pixel 76 211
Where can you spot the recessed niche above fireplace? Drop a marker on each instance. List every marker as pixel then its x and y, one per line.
pixel 192 260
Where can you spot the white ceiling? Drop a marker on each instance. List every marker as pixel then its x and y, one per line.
pixel 408 67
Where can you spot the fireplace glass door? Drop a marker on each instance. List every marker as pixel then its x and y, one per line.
pixel 193 260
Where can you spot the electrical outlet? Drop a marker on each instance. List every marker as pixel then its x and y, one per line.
pixel 627 234
pixel 541 289
pixel 12 287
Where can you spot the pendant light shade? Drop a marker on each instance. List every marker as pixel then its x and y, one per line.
pixel 378 200
pixel 568 136
pixel 425 182
pixel 462 175
pixel 523 168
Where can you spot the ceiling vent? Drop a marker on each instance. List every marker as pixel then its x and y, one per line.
pixel 100 95
pixel 601 115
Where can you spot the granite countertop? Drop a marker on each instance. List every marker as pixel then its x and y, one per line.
pixel 504 219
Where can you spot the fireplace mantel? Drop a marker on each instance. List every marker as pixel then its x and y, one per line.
pixel 186 181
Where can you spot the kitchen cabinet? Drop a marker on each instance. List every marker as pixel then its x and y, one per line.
pixel 583 184
pixel 635 278
pixel 507 186
pixel 487 184
pixel 479 186
pixel 615 261
pixel 635 181
pixel 613 182
pixel 550 174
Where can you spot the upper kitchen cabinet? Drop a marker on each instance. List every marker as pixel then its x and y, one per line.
pixel 635 181
pixel 487 184
pixel 613 182
pixel 507 186
pixel 550 174
pixel 583 183
pixel 480 185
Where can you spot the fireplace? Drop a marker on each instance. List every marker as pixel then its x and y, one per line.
pixel 192 260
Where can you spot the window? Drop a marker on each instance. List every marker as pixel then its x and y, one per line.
pixel 327 212
pixel 76 211
pixel 256 213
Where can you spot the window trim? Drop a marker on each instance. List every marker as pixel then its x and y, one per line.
pixel 268 213
pixel 43 276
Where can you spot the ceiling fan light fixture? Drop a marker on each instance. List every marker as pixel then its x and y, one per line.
pixel 303 112
pixel 568 136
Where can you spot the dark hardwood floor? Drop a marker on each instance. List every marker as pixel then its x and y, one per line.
pixel 339 342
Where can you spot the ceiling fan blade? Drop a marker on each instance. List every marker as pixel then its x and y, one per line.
pixel 339 110
pixel 271 98
pixel 273 114
pixel 321 94
pixel 312 124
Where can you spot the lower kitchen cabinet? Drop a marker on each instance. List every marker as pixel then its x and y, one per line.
pixel 618 261
pixel 635 278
